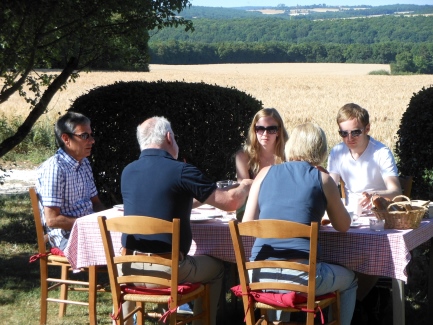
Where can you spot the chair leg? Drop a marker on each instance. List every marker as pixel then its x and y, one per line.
pixel 310 319
pixel 44 290
pixel 63 291
pixel 140 314
pixel 262 321
pixel 93 276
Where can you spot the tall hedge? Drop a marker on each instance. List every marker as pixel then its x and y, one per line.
pixel 414 147
pixel 210 121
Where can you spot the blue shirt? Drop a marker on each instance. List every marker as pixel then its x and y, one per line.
pixel 156 185
pixel 65 183
pixel 291 191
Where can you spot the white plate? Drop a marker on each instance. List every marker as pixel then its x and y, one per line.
pixel 355 224
pixel 118 206
pixel 200 219
pixel 206 207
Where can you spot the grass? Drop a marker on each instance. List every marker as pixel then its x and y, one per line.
pixel 19 279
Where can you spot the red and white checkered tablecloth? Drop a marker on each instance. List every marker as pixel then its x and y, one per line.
pixel 384 253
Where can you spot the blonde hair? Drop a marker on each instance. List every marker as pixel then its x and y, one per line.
pixel 252 145
pixel 353 111
pixel 307 143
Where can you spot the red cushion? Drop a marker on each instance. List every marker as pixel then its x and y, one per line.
pixel 56 251
pixel 289 299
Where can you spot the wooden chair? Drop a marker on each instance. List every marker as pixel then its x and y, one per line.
pixel 48 260
pixel 279 229
pixel 342 190
pixel 147 226
pixel 406 185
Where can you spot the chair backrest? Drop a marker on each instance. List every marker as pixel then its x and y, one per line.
pixel 342 189
pixel 275 229
pixel 141 225
pixel 42 248
pixel 406 185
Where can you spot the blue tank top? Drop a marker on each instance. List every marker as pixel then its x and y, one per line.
pixel 291 191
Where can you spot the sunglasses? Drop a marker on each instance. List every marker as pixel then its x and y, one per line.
pixel 270 129
pixel 83 136
pixel 353 133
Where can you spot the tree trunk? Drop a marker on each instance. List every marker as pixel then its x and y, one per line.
pixel 11 142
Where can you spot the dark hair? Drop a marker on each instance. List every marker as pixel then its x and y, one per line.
pixel 67 124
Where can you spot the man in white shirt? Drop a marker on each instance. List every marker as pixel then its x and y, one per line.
pixel 365 165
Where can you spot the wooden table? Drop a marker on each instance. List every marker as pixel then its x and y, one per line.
pixel 384 253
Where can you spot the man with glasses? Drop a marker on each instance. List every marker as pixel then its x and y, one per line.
pixel 65 184
pixel 366 166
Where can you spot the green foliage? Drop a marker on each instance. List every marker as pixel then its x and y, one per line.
pixel 414 147
pixel 72 36
pixel 376 30
pixel 379 73
pixel 210 122
pixel 37 145
pixel 404 42
pixel 180 52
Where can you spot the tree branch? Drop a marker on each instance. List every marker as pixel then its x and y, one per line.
pixel 7 92
pixel 9 143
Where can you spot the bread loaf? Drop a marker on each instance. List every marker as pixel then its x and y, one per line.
pixel 380 203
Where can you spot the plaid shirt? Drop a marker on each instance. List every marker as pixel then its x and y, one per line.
pixel 65 183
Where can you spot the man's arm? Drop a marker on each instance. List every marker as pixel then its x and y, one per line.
pixel 232 198
pixel 393 187
pixel 54 219
pixel 196 203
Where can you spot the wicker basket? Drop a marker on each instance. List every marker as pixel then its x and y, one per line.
pixel 409 219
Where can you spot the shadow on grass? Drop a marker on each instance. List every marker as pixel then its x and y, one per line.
pixel 17 274
pixel 16 219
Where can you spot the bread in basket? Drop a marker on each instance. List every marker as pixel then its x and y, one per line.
pixel 408 218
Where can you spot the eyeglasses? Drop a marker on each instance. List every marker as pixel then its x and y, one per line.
pixel 83 136
pixel 353 133
pixel 273 129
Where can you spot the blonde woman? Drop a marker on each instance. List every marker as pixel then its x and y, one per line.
pixel 264 146
pixel 298 191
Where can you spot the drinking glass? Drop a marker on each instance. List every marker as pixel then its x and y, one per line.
pixel 376 224
pixel 225 183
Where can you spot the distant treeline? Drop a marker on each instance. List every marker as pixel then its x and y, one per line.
pixel 404 42
pixel 405 57
pixel 342 31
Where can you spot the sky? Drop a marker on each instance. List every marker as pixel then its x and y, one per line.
pixel 274 3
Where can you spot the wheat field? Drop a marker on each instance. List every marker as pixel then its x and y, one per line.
pixel 301 92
